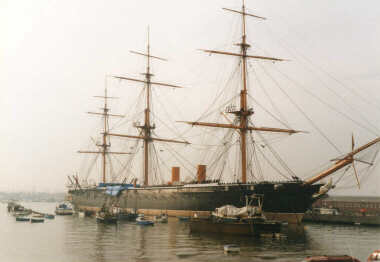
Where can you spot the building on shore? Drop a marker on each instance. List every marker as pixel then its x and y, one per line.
pixel 351 204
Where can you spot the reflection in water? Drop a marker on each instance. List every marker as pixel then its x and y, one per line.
pixel 71 239
pixel 141 257
pixel 295 232
pixel 99 246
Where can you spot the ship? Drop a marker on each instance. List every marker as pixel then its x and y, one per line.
pixel 284 200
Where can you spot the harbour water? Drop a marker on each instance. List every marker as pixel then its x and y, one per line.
pixel 74 239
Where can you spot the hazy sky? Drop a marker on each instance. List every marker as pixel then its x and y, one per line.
pixel 55 55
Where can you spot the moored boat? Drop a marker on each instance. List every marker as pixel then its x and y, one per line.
pixel 335 258
pixel 163 218
pixel 248 220
pixel 37 220
pixel 23 219
pixel 64 209
pixel 106 217
pixel 49 216
pixel 26 212
pixel 141 220
pixel 231 248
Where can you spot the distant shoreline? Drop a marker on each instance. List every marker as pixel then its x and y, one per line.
pixel 32 196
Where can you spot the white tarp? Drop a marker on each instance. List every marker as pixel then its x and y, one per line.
pixel 232 211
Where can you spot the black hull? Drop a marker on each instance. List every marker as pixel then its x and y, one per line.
pixel 238 228
pixel 112 220
pixel 282 197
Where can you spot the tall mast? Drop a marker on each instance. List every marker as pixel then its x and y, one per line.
pixel 105 133
pixel 244 112
pixel 244 115
pixel 147 127
pixel 105 144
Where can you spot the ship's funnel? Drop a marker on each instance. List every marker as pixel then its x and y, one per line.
pixel 201 173
pixel 175 174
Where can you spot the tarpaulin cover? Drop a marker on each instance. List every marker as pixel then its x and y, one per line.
pixel 115 184
pixel 232 211
pixel 114 190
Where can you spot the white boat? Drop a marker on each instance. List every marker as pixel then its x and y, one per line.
pixel 141 220
pixel 64 209
pixel 232 248
pixel 163 218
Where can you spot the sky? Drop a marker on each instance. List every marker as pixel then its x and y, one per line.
pixel 54 56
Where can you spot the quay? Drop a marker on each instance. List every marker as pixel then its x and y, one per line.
pixel 361 210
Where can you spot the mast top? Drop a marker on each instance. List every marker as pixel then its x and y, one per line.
pixel 244 13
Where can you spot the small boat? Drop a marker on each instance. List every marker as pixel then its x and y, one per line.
pixel 25 212
pixel 375 256
pixel 23 219
pixel 232 220
pixel 232 248
pixel 324 258
pixel 140 220
pixel 181 218
pixel 104 216
pixel 17 209
pixel 64 210
pixel 49 216
pixel 163 218
pixel 11 205
pixel 37 220
pixel 106 219
pixel 38 215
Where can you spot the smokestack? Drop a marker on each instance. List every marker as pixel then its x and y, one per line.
pixel 201 174
pixel 175 174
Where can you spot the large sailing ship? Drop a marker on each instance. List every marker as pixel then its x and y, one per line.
pixel 283 200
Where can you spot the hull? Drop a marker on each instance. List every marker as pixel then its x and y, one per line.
pixel 23 219
pixel 284 201
pixel 107 220
pixel 64 212
pixel 243 229
pixel 37 220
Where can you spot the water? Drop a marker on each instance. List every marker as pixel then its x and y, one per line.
pixel 74 239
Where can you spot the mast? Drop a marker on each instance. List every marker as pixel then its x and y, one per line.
pixel 105 133
pixel 105 144
pixel 244 112
pixel 147 127
pixel 342 162
pixel 243 101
